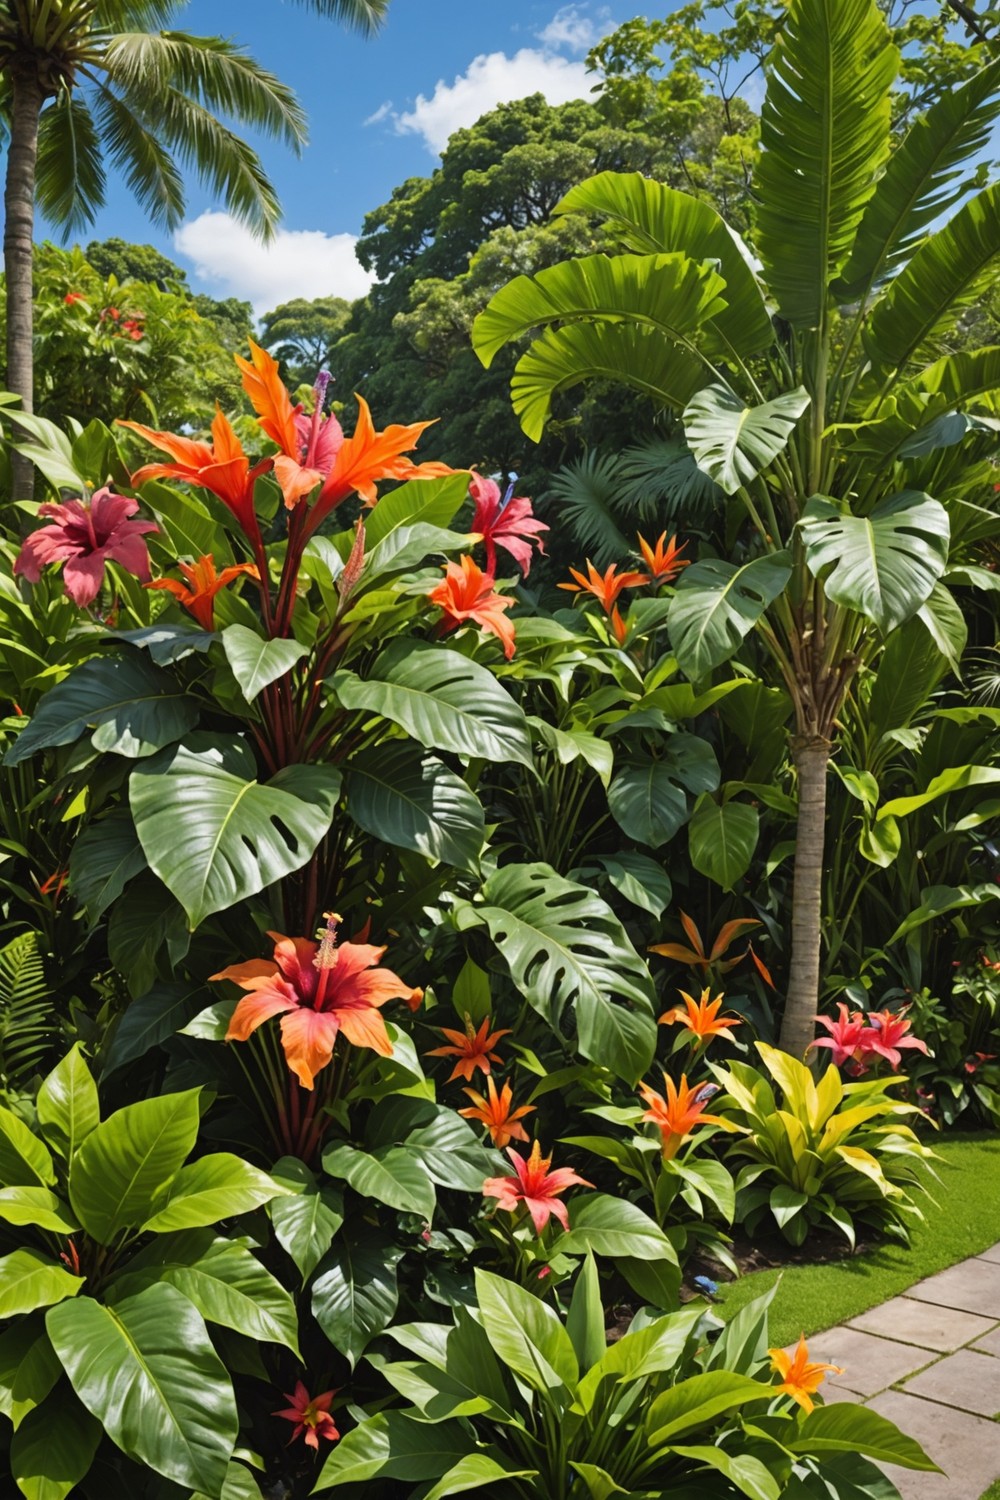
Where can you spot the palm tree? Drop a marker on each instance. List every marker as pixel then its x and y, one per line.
pixel 839 425
pixel 88 81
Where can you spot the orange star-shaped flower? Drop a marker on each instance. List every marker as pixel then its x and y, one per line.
pixel 534 1186
pixel 680 1112
pixel 466 594
pixel 205 583
pixel 663 561
pixel 605 586
pixel 221 466
pixel 497 1115
pixel 474 1049
pixel 800 1379
pixel 700 1017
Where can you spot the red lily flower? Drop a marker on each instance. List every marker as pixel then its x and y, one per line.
pixel 800 1379
pixel 701 1017
pixel 680 1112
pixel 72 297
pixel 887 1035
pixel 309 444
pixel 663 562
pixel 221 467
pixel 205 583
pixel 474 1049
pixel 86 537
pixel 846 1035
pixel 466 593
pixel 311 1415
pixel 507 522
pixel 497 1115
pixel 534 1186
pixel 319 990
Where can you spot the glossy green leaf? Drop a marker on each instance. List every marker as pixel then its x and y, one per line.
pixel 413 801
pixel 124 1170
pixel 67 1104
pixel 54 1447
pixel 717 604
pixel 564 946
pixel 394 1176
pixel 146 933
pixel 884 565
pixel 355 1294
pixel 28 1367
pixel 306 1220
pixel 613 1227
pixel 696 1403
pixel 392 1445
pixel 451 1153
pixel 429 502
pixel 147 1371
pixel 648 796
pixel 639 879
pixel 733 443
pixel 256 662
pixel 132 707
pixel 240 1485
pixel 526 1334
pixel 750 1475
pixel 954 779
pixel 214 834
pixel 153 1019
pixel 585 1317
pixel 38 1206
pixel 105 858
pixel 25 1160
pixel 442 700
pixel 722 838
pixel 846 1428
pixel 474 1472
pixel 28 1280
pixel 218 1186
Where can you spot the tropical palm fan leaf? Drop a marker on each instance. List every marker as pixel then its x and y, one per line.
pixel 27 1020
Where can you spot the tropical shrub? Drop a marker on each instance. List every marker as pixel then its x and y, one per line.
pixel 823 1153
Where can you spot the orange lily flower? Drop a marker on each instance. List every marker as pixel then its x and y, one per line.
pixel 663 561
pixel 534 1186
pixel 496 1114
pixel 701 1017
pixel 800 1379
pixel 466 593
pixel 309 444
pixel 221 467
pixel 318 989
pixel 696 956
pixel 680 1112
pixel 310 1414
pixel 474 1049
pixel 606 588
pixel 205 583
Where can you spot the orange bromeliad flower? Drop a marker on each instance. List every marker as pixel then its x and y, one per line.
pixel 496 1114
pixel 204 583
pixel 663 561
pixel 466 593
pixel 606 587
pixel 800 1379
pixel 534 1186
pixel 310 1414
pixel 680 1112
pixel 221 467
pixel 697 956
pixel 319 990
pixel 474 1049
pixel 701 1017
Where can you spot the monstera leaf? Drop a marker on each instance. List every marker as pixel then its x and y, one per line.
pixel 732 442
pixel 565 947
pixel 648 797
pixel 717 604
pixel 214 834
pixel 884 565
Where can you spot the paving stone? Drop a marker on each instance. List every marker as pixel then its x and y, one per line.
pixel 972 1286
pixel 870 1364
pixel 930 1327
pixel 993 1253
pixel 967 1380
pixel 832 1392
pixel 966 1447
pixel 990 1344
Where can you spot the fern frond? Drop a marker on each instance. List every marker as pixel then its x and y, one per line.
pixel 27 1019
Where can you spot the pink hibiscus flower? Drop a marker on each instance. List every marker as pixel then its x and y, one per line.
pixel 86 537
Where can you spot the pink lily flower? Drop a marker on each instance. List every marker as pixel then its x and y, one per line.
pixel 846 1039
pixel 86 537
pixel 507 522
pixel 535 1186
pixel 887 1035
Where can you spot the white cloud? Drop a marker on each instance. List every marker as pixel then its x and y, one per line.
pixel 382 113
pixel 490 79
pixel 296 262
pixel 573 29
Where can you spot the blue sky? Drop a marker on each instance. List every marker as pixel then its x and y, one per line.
pixel 379 111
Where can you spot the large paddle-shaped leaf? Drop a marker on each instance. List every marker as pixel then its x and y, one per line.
pixel 123 1171
pixel 413 801
pixel 671 293
pixel 717 604
pixel 648 796
pixel 650 217
pixel 883 565
pixel 147 1371
pixel 732 442
pixel 355 1292
pixel 214 834
pixel 564 946
pixel 442 699
pixel 824 129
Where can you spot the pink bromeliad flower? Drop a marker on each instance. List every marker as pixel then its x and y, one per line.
pixel 310 1415
pixel 85 537
pixel 506 521
pixel 846 1039
pixel 534 1186
pixel 887 1036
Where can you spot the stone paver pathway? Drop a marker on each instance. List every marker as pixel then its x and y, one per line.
pixel 930 1361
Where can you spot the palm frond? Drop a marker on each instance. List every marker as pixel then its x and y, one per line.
pixel 27 1020
pixel 585 492
pixel 662 482
pixel 70 180
pixel 141 157
pixel 365 16
pixel 213 72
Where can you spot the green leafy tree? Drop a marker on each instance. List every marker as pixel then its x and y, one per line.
pixel 90 81
pixel 301 334
pixel 127 262
pixel 838 428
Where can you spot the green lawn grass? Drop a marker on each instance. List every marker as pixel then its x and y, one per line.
pixel 965 1221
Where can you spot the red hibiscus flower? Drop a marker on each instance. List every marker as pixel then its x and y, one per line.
pixel 85 537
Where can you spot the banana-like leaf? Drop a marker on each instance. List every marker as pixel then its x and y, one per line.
pixel 671 293
pixel 636 356
pixel 722 839
pixel 717 604
pixel 732 442
pixel 958 377
pixel 924 178
pixel 883 565
pixel 413 801
pixel 824 129
pixel 650 217
pixel 946 275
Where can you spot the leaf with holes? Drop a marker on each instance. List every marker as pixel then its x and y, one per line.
pixel 733 443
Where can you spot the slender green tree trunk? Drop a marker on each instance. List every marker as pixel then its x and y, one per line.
pixel 812 758
pixel 18 253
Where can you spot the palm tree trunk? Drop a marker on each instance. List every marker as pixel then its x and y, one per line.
pixel 798 1028
pixel 18 251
